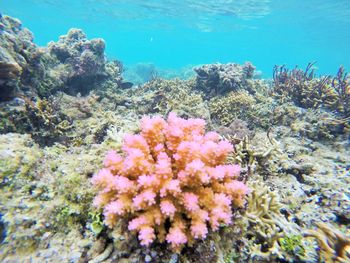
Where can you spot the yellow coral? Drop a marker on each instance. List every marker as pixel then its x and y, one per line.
pixel 231 106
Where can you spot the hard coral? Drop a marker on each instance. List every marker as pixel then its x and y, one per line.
pixel 308 91
pixel 334 245
pixel 172 182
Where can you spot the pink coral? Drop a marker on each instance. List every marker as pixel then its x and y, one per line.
pixel 167 208
pixel 170 169
pixel 190 202
pixel 176 237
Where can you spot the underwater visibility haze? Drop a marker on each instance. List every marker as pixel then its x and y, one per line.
pixel 175 131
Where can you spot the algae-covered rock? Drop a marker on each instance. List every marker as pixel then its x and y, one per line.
pixel 73 64
pixel 162 96
pixel 84 61
pixel 15 52
pixel 236 132
pixel 41 118
pixel 46 197
pixel 218 79
pixel 9 68
pixel 19 159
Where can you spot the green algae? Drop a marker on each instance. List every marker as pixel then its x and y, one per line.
pixel 96 225
pixel 292 245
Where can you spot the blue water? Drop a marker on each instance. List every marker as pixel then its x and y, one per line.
pixel 174 34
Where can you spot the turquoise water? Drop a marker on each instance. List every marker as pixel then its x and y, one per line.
pixel 174 34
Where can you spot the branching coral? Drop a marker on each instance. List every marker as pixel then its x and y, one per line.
pixel 263 213
pixel 307 91
pixel 335 246
pixel 341 88
pixel 253 158
pixel 172 182
pixel 266 225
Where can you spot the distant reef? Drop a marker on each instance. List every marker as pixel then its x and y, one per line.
pixel 73 64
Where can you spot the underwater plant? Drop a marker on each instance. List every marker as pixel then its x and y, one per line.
pixel 171 183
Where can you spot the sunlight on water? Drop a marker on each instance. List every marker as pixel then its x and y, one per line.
pixel 267 32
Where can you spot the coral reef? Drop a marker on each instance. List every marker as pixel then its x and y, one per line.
pixel 171 183
pixel 163 96
pixel 305 90
pixel 217 79
pixel 62 107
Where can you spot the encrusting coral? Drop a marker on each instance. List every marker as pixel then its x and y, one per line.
pixel 172 182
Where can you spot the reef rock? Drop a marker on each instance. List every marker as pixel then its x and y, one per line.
pixel 216 79
pixel 16 46
pixel 73 64
pixel 78 62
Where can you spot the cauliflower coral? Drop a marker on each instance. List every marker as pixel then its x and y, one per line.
pixel 171 183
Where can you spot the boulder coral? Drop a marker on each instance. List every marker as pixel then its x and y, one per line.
pixel 171 183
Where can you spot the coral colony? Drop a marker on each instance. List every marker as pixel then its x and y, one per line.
pixel 173 182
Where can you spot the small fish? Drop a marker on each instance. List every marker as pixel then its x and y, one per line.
pixel 126 85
